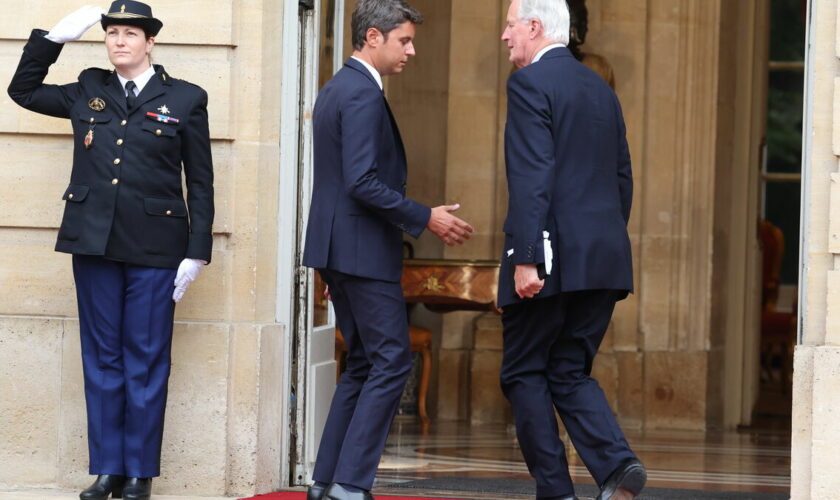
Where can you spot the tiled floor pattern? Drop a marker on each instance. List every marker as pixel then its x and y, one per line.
pixel 748 461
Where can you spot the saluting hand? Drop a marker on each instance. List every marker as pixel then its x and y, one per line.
pixel 447 227
pixel 74 25
pixel 527 281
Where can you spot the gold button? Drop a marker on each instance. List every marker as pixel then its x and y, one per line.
pixel 115 182
pixel 116 161
pixel 158 132
pixel 119 142
pixel 70 196
pixel 169 212
pixel 92 119
pixel 123 123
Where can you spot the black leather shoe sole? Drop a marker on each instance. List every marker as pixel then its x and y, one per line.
pixel 631 477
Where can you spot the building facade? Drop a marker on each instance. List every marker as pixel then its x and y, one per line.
pixel 682 353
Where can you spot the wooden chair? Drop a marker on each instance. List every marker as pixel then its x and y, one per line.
pixel 421 341
pixel 778 329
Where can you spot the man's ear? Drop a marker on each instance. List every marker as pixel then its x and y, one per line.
pixel 373 37
pixel 535 29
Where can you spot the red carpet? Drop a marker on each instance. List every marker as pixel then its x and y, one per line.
pixel 300 495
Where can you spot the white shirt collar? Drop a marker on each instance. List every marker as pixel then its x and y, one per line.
pixel 546 49
pixel 372 70
pixel 141 80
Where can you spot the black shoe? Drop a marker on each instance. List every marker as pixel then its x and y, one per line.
pixel 338 492
pixel 105 484
pixel 315 492
pixel 630 476
pixel 137 488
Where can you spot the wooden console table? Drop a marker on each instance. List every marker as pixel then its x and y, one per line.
pixel 451 285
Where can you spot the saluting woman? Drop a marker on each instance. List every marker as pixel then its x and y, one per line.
pixel 136 244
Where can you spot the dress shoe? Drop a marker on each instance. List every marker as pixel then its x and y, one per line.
pixel 339 492
pixel 105 484
pixel 630 476
pixel 315 492
pixel 137 488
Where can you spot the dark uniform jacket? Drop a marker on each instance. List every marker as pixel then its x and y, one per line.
pixel 568 172
pixel 359 209
pixel 125 200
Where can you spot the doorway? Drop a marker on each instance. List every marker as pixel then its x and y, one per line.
pixel 781 202
pixel 681 365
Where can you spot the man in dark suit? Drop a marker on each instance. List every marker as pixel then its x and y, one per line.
pixel 354 239
pixel 567 253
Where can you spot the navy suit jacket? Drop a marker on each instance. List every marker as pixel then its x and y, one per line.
pixel 568 172
pixel 359 209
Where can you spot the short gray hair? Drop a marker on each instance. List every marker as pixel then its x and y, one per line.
pixel 384 15
pixel 553 15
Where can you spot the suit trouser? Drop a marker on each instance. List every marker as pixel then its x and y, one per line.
pixel 372 317
pixel 125 315
pixel 549 346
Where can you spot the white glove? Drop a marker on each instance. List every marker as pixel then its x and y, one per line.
pixel 187 273
pixel 74 25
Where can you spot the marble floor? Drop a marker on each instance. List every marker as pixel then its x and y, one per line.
pixel 749 460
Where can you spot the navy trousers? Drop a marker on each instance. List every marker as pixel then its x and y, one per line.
pixel 125 315
pixel 372 317
pixel 549 346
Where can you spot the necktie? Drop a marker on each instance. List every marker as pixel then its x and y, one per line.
pixel 130 98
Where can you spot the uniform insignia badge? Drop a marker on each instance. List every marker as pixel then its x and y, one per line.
pixel 96 104
pixel 163 110
pixel 89 139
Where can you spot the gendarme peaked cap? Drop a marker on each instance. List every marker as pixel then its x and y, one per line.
pixel 132 13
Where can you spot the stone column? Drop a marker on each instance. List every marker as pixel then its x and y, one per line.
pixel 666 57
pixel 487 403
pixel 816 384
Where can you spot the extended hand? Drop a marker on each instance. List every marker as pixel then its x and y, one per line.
pixel 74 25
pixel 447 227
pixel 187 273
pixel 527 281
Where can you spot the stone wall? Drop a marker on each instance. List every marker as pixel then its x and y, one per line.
pixel 816 383
pixel 224 421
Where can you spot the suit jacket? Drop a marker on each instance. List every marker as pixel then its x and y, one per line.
pixel 359 209
pixel 568 172
pixel 125 199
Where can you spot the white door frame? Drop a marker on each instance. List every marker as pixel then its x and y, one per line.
pixel 287 219
pixel 308 362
